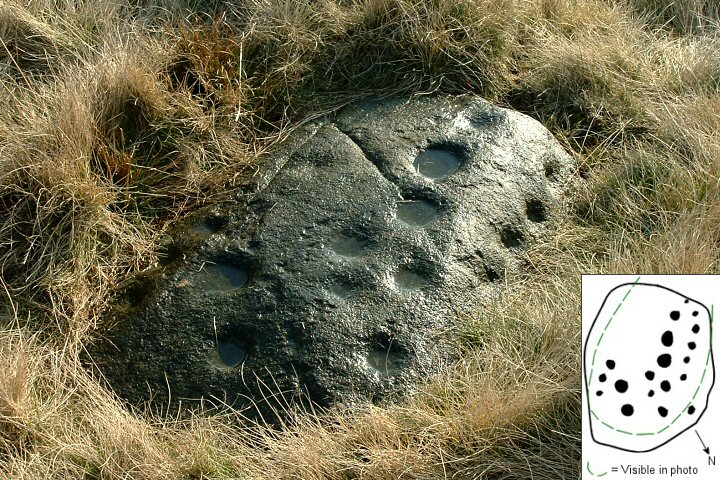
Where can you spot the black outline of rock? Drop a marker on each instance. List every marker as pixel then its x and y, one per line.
pixel 585 373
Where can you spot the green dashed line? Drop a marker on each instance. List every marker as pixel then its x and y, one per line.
pixel 628 292
pixel 707 363
pixel 610 321
pixel 594 475
pixel 592 368
pixel 676 418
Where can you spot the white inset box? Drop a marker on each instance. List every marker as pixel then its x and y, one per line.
pixel 649 409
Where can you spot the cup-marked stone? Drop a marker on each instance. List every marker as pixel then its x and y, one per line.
pixel 387 217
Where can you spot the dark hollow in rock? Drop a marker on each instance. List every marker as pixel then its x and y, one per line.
pixel 437 163
pixel 228 353
pixel 511 237
pixel 202 229
pixel 209 225
pixel 138 291
pixel 406 278
pixel 341 289
pixel 387 356
pixel 491 274
pixel 339 239
pixel 348 246
pixel 552 171
pixel 417 212
pixel 385 362
pixel 535 211
pixel 221 277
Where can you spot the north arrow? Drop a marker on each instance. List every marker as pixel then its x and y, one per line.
pixel 705 449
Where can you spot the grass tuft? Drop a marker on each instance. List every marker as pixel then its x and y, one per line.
pixel 28 45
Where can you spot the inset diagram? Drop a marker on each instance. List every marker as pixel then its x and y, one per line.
pixel 648 366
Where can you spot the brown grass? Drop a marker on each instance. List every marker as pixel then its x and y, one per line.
pixel 120 117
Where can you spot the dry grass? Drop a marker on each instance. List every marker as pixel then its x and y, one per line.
pixel 120 117
pixel 680 16
pixel 501 411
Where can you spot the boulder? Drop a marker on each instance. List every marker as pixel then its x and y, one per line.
pixel 337 278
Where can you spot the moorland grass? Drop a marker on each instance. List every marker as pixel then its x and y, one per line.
pixel 119 117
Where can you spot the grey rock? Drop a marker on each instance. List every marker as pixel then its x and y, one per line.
pixel 338 276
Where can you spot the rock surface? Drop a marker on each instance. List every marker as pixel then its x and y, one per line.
pixel 337 277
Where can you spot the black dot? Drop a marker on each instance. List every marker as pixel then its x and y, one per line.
pixel 691 409
pixel 675 315
pixel 667 338
pixel 651 393
pixel 664 360
pixel 696 328
pixel 599 393
pixel 687 301
pixel 662 411
pixel 602 377
pixel 649 374
pixel 686 359
pixel 621 386
pixel 665 386
pixel 683 377
pixel 610 364
pixel 627 410
pixel 691 345
pixel 695 313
